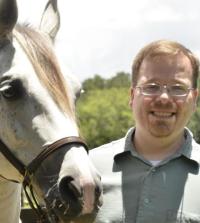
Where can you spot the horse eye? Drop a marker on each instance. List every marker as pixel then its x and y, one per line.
pixel 11 90
pixel 8 92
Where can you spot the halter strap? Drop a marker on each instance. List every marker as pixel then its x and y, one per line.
pixel 35 163
pixel 32 167
pixel 12 158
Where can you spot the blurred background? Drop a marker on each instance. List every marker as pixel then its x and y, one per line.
pixel 97 42
pixel 103 36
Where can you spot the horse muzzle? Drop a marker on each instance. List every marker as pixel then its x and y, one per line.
pixel 70 201
pixel 68 183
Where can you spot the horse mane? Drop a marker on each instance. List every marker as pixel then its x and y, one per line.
pixel 40 52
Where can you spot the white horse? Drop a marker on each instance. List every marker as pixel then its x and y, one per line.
pixel 37 118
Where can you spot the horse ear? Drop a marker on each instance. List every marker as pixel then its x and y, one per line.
pixel 8 16
pixel 50 22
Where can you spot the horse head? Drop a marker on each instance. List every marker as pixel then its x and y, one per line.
pixel 37 120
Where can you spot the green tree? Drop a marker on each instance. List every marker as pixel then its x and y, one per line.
pixel 121 79
pixel 194 123
pixel 97 82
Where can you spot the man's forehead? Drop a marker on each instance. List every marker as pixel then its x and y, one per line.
pixel 167 58
pixel 176 68
pixel 179 61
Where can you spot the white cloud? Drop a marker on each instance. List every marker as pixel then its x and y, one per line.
pixel 163 14
pixel 30 10
pixel 102 36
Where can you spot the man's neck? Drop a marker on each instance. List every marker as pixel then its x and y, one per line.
pixel 156 148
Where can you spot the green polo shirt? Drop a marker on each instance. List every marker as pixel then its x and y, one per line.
pixel 135 191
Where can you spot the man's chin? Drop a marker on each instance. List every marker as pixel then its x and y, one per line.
pixel 161 132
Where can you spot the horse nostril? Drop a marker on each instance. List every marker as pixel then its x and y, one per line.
pixel 98 196
pixel 98 191
pixel 69 189
pixel 71 196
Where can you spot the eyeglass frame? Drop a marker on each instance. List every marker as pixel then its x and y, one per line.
pixel 167 89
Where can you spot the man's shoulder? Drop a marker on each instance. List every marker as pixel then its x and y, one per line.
pixel 191 149
pixel 113 147
pixel 103 156
pixel 195 153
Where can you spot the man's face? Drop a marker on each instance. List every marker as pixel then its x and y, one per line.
pixel 163 115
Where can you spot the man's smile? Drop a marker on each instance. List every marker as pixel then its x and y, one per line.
pixel 162 114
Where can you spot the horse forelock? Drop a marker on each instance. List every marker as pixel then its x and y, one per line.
pixel 42 57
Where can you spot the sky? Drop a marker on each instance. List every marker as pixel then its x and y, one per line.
pixel 103 36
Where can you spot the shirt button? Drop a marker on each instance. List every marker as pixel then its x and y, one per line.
pixel 146 200
pixel 154 170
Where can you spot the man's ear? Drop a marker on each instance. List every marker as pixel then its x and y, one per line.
pixel 131 96
pixel 195 96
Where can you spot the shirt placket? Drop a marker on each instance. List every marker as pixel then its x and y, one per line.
pixel 144 212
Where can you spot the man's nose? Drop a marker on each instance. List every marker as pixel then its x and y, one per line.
pixel 164 95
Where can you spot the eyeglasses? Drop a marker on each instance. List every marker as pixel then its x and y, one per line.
pixel 153 89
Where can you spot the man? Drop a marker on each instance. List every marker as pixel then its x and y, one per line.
pixel 152 175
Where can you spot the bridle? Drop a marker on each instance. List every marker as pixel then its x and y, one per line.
pixel 29 170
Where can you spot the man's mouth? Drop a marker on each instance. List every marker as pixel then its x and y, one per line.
pixel 162 114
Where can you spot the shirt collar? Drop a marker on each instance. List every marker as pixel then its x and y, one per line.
pixel 127 146
pixel 190 149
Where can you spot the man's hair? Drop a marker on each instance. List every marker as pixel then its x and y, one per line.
pixel 160 48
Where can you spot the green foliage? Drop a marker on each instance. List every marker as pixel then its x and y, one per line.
pixel 120 80
pixel 194 125
pixel 104 115
pixel 94 83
